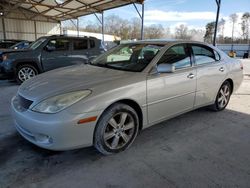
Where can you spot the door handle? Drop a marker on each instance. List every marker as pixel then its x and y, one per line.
pixel 221 69
pixel 191 76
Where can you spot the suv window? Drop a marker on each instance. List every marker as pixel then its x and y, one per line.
pixel 92 43
pixel 203 54
pixel 177 55
pixel 59 44
pixel 81 44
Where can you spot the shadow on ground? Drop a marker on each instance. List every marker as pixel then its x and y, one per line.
pixel 197 149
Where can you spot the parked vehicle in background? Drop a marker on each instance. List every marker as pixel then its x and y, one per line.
pixel 21 45
pixel 5 44
pixel 47 53
pixel 129 88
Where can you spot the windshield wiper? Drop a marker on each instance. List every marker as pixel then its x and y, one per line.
pixel 100 65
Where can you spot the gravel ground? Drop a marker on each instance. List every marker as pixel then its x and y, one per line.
pixel 197 149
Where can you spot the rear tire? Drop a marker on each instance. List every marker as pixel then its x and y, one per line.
pixel 25 72
pixel 223 97
pixel 116 129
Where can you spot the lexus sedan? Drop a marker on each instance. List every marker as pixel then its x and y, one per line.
pixel 135 85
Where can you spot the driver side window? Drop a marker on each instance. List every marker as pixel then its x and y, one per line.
pixel 178 56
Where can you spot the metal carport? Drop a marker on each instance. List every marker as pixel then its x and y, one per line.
pixel 24 19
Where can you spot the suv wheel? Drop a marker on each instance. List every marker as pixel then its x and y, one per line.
pixel 116 129
pixel 25 72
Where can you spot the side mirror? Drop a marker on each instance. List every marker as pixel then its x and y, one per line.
pixel 165 68
pixel 50 48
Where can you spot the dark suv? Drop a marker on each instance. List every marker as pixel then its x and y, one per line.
pixel 48 53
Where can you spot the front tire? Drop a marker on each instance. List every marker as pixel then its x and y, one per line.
pixel 25 72
pixel 223 97
pixel 116 129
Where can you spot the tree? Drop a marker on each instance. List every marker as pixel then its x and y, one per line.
pixel 92 27
pixel 209 32
pixel 233 18
pixel 154 32
pixel 135 28
pixel 167 33
pixel 245 24
pixel 181 32
pixel 196 34
pixel 221 26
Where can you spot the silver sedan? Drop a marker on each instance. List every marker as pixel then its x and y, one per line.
pixel 135 85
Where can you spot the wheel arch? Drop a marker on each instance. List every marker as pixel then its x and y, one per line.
pixel 133 104
pixel 231 83
pixel 18 64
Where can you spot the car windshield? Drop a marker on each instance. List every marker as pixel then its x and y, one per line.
pixel 37 43
pixel 128 57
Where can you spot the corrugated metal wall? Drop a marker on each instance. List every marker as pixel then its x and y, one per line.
pixel 47 28
pixel 28 30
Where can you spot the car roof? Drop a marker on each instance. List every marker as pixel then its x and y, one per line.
pixel 164 41
pixel 70 36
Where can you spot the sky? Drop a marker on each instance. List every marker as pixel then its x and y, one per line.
pixel 171 13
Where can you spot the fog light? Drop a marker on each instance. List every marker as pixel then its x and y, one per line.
pixel 43 139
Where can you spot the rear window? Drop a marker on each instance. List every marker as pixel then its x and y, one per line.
pixel 203 54
pixel 80 44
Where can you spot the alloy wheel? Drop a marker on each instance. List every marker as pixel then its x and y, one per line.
pixel 26 73
pixel 224 96
pixel 119 130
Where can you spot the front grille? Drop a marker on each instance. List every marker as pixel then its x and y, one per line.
pixel 25 103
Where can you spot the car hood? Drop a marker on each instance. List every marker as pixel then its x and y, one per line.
pixel 69 79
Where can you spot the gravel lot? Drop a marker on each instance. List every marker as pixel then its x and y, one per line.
pixel 197 149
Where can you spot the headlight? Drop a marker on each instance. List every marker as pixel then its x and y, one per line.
pixel 58 103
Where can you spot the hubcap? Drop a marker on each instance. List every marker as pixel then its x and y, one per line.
pixel 119 130
pixel 26 73
pixel 224 96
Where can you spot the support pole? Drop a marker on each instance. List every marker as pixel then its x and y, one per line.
pixel 35 30
pixel 77 25
pixel 4 31
pixel 102 28
pixel 60 25
pixel 218 2
pixel 142 22
pixel 142 18
pixel 101 21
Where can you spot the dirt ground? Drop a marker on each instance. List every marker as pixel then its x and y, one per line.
pixel 198 149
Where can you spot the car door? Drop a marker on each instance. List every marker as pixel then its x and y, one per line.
pixel 80 51
pixel 56 54
pixel 169 94
pixel 210 73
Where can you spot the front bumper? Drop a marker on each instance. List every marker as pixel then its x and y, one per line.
pixel 5 74
pixel 55 131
